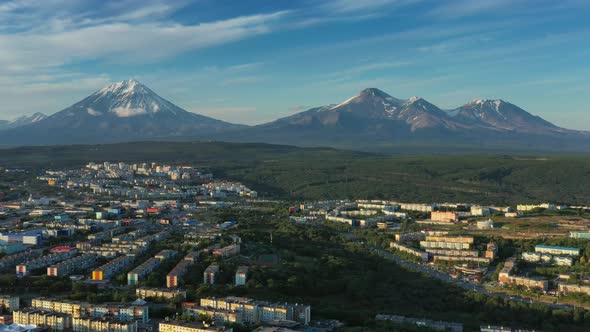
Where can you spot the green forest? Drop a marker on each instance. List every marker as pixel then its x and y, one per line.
pixel 322 173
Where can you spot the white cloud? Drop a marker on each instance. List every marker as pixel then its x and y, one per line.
pixel 124 42
pixel 124 112
pixel 359 6
pixel 462 8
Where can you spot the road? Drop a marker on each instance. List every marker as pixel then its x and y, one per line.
pixel 461 283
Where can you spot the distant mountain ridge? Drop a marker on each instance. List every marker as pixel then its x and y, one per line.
pixel 418 113
pixel 22 121
pixel 372 120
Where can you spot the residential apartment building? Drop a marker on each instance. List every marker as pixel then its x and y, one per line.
pixel 66 267
pixel 42 318
pixel 527 282
pixel 529 207
pixel 75 309
pixel 9 303
pixel 450 252
pixel 415 236
pixel 72 308
pixel 417 207
pixel 557 250
pixel 12 260
pixel 173 326
pixel 491 251
pixel 44 261
pixel 580 235
pixel 210 275
pixel 505 276
pixel 447 242
pixel 173 278
pixel 251 311
pixel 437 258
pixel 479 211
pixel 420 254
pixel 117 265
pixel 241 275
pixel 144 292
pixel 135 275
pixel 444 216
pixel 565 288
pixel 536 257
pixel 92 324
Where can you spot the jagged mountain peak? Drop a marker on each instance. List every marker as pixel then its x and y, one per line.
pixel 501 115
pixel 22 120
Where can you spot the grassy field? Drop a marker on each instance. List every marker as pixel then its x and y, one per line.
pixel 322 173
pixel 534 227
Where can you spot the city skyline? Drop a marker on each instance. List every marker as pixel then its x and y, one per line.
pixel 265 60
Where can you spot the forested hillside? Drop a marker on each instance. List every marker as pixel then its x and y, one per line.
pixel 322 173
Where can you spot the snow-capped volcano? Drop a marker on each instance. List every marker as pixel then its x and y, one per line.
pixel 375 121
pixel 122 111
pixel 373 105
pixel 500 115
pixel 127 99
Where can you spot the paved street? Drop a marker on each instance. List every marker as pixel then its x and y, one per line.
pixel 461 283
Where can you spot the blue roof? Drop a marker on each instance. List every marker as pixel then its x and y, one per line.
pixel 556 247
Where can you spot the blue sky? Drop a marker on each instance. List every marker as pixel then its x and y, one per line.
pixel 253 61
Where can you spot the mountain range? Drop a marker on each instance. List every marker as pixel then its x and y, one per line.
pixel 22 121
pixel 371 120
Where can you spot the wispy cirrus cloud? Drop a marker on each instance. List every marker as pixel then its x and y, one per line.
pixel 361 6
pixel 125 42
